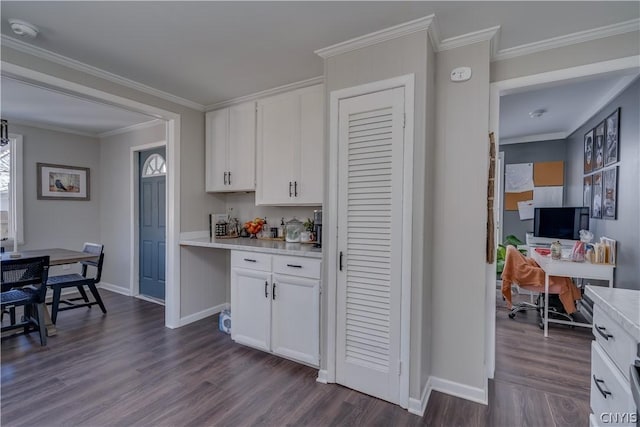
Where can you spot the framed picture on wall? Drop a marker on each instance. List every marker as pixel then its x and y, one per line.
pixel 609 193
pixel 586 191
pixel 596 196
pixel 588 152
pixel 59 182
pixel 599 147
pixel 612 129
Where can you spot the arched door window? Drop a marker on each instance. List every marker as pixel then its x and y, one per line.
pixel 154 166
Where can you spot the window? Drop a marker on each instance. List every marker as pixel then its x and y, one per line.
pixel 11 189
pixel 154 166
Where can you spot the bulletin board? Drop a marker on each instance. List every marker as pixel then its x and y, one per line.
pixel 533 185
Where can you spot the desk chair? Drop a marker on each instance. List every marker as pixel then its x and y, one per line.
pixel 24 285
pixel 79 281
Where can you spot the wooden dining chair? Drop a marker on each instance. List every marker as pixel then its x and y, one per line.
pixel 78 281
pixel 24 285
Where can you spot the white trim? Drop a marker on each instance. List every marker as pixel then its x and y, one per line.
pixel 134 201
pixel 17 192
pixel 420 24
pixel 322 376
pixel 534 138
pixel 172 300
pixel 265 93
pixel 39 52
pixel 463 391
pixel 331 253
pixel 149 299
pixel 568 39
pixel 114 288
pixel 188 235
pixel 417 407
pixel 488 34
pixel 203 314
pixel 53 128
pixel 131 128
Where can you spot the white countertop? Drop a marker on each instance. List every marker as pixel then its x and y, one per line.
pixel 623 305
pixel 256 245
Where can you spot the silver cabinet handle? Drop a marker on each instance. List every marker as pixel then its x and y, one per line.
pixel 597 381
pixel 601 330
pixel 294 266
pixel 229 177
pixel 295 188
pixel 225 178
pixel 290 188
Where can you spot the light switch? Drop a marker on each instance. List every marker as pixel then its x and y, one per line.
pixel 461 74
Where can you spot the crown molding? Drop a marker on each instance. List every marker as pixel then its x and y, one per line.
pixel 131 128
pixel 265 93
pixel 46 126
pixel 421 24
pixel 489 34
pixel 568 39
pixel 534 138
pixel 39 52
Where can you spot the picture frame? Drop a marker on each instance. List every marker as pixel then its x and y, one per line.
pixel 588 151
pixel 610 193
pixel 62 182
pixel 611 145
pixel 596 196
pixel 599 146
pixel 586 191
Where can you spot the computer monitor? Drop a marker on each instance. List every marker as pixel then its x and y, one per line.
pixel 560 223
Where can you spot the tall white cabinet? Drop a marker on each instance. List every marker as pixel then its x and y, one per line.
pixel 230 148
pixel 290 138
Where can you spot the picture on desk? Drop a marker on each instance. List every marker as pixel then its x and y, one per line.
pixel 596 196
pixel 586 191
pixel 609 193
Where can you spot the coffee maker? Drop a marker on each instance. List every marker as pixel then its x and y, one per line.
pixel 317 227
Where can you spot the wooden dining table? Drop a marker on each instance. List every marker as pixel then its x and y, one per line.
pixel 57 256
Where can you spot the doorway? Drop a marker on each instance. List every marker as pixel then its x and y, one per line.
pixel 152 222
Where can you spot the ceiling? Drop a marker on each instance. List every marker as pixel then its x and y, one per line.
pixel 568 106
pixel 209 52
pixel 33 105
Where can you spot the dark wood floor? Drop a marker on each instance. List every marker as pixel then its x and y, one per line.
pixel 126 369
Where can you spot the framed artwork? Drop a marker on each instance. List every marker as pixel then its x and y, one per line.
pixel 596 196
pixel 609 193
pixel 599 147
pixel 586 191
pixel 588 152
pixel 59 182
pixel 612 129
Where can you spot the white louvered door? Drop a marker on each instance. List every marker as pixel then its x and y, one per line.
pixel 370 188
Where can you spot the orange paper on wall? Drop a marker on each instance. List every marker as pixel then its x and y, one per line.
pixel 511 199
pixel 547 174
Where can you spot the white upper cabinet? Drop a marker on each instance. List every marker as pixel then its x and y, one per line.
pixel 230 148
pixel 290 137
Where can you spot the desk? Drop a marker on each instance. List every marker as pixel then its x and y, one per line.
pixel 567 268
pixel 57 256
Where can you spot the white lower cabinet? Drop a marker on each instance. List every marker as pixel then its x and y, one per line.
pixel 276 312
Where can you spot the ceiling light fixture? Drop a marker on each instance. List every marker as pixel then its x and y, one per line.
pixel 23 28
pixel 537 113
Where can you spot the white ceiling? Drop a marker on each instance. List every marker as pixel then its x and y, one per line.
pixel 568 106
pixel 25 103
pixel 209 52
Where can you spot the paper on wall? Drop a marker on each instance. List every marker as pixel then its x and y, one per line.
pixel 518 178
pixel 547 197
pixel 525 209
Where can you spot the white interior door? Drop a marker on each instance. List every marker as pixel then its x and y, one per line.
pixel 370 188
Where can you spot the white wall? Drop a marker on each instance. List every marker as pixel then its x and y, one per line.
pixel 244 208
pixel 59 223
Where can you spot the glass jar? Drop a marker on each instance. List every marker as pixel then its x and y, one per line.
pixel 556 250
pixel 293 230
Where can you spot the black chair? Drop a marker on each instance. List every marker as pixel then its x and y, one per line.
pixel 79 281
pixel 24 285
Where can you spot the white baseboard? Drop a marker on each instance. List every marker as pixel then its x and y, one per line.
pixel 202 314
pixel 113 288
pixel 323 376
pixel 417 407
pixel 463 391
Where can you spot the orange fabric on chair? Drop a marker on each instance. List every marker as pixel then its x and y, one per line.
pixel 528 274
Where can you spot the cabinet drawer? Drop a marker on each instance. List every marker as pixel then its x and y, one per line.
pixel 251 260
pixel 615 341
pixel 611 400
pixel 297 266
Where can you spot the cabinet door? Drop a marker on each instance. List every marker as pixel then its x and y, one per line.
pixel 295 317
pixel 242 147
pixel 310 181
pixel 251 308
pixel 277 137
pixel 217 136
